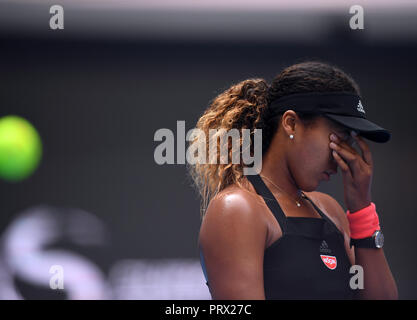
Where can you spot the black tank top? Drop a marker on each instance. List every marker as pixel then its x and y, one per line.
pixel 309 261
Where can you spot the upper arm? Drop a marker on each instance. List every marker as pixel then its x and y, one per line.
pixel 232 238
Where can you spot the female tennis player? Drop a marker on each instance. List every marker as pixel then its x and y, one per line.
pixel 271 235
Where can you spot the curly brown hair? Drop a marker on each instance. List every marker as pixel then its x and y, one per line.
pixel 245 106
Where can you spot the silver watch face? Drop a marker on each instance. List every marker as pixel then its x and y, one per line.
pixel 379 239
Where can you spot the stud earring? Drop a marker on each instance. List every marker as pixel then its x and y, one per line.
pixel 291 136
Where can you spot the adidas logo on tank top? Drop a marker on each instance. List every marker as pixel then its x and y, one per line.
pixel 329 261
pixel 324 247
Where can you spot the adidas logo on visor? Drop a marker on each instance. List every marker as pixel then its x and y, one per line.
pixel 360 107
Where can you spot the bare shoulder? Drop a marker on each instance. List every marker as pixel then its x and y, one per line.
pixel 233 209
pixel 331 207
pixel 234 201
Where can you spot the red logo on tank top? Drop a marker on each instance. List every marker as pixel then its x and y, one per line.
pixel 329 261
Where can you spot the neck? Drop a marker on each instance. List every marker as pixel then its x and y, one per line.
pixel 275 167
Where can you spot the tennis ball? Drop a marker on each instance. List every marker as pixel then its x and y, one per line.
pixel 20 148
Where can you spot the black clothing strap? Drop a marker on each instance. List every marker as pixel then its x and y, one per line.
pixel 278 213
pixel 309 260
pixel 324 216
pixel 270 200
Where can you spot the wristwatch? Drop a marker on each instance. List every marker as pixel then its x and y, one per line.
pixel 376 241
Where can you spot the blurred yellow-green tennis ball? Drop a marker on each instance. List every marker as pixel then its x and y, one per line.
pixel 20 148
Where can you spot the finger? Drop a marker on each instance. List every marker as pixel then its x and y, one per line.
pixel 347 144
pixel 342 164
pixel 348 153
pixel 345 153
pixel 366 152
pixel 352 159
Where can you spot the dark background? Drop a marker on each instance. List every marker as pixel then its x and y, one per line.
pixel 98 101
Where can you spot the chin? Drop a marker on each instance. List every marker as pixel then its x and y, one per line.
pixel 308 183
pixel 309 187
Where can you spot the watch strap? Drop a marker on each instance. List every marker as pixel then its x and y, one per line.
pixel 376 241
pixel 363 243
